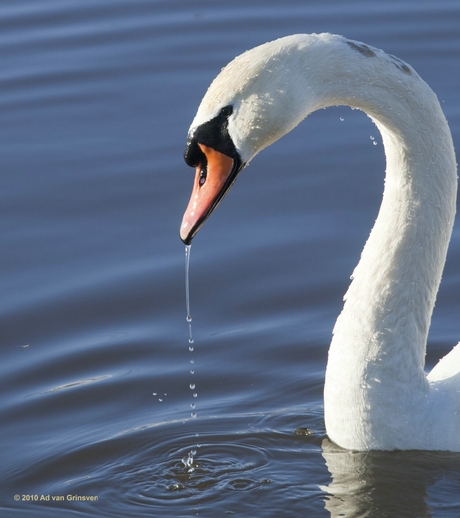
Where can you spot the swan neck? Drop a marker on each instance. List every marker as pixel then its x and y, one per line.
pixel 389 304
pixel 377 355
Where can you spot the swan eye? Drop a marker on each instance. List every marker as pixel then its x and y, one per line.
pixel 226 111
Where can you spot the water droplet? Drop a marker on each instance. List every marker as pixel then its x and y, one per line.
pixel 191 348
pixel 193 415
pixel 192 386
pixel 342 119
pixel 195 394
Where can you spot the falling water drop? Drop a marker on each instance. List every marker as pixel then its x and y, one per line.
pixel 187 291
pixel 189 461
pixel 188 317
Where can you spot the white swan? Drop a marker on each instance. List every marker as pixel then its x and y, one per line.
pixel 377 395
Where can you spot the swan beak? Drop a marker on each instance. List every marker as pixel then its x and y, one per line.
pixel 208 189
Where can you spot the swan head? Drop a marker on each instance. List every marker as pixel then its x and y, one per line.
pixel 252 103
pixel 211 151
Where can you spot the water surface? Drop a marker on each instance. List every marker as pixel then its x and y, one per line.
pixel 97 97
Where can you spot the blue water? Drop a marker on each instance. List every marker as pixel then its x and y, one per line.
pixel 96 99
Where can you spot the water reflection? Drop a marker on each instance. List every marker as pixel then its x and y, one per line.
pixel 385 484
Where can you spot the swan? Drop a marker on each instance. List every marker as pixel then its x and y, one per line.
pixel 377 395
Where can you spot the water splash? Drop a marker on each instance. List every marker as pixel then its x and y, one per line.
pixel 188 461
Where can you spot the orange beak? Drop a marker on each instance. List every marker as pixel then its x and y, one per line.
pixel 206 194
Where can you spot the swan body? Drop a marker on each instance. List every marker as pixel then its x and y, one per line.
pixel 377 395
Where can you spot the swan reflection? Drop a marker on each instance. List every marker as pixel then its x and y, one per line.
pixel 380 484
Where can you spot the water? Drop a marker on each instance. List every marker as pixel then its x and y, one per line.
pixel 188 318
pixel 189 461
pixel 96 101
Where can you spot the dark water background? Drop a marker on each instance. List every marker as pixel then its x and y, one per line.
pixel 95 101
